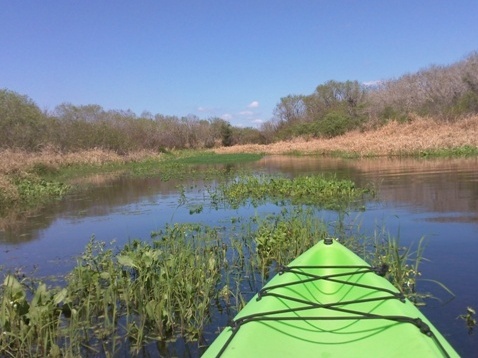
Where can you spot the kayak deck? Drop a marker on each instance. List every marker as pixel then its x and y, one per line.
pixel 328 302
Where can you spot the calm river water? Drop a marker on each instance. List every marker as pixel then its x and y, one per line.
pixel 435 198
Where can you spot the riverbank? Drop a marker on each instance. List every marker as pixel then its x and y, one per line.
pixel 14 162
pixel 419 137
pixel 29 179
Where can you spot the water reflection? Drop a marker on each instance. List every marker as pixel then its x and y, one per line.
pixel 447 189
pixel 433 185
pixel 437 198
pixel 104 198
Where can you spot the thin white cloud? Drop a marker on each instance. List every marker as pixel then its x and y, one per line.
pixel 226 116
pixel 205 109
pixel 246 113
pixel 253 104
pixel 372 83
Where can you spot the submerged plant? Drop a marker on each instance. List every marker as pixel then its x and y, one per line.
pixel 469 319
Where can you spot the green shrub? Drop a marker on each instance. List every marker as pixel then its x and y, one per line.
pixel 22 124
pixel 333 124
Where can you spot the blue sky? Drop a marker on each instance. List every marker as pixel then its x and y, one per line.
pixel 232 59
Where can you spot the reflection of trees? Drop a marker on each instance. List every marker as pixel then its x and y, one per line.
pixel 439 185
pixel 290 165
pixel 103 198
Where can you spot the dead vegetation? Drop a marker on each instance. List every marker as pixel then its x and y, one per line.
pixel 17 161
pixel 418 135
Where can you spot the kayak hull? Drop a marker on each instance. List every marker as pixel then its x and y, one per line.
pixel 328 302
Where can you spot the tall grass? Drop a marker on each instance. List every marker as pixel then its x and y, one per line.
pixel 17 161
pixel 419 135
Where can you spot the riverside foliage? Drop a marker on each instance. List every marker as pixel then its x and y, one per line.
pixel 28 181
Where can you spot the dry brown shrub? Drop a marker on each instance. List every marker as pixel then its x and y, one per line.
pixel 8 191
pixel 12 161
pixel 394 138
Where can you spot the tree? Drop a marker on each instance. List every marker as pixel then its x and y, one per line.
pixel 22 123
pixel 346 96
pixel 332 125
pixel 86 113
pixel 226 134
pixel 439 91
pixel 290 109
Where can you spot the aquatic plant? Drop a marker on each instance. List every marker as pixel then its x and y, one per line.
pixel 318 190
pixel 121 299
pixel 469 319
pixel 458 151
pixel 280 238
pixel 190 165
pixel 29 325
pixel 145 292
pixel 402 261
pixel 28 190
pixel 32 189
pixel 215 158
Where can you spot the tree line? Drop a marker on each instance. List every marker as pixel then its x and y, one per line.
pixel 443 92
pixel 73 128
